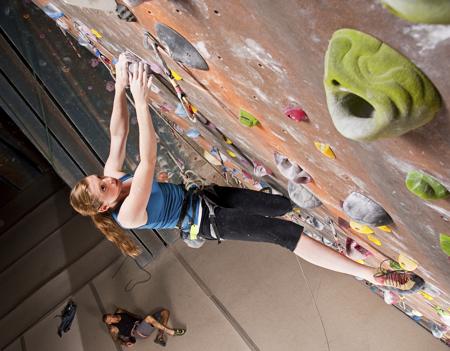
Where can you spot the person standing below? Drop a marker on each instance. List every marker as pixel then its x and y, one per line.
pixel 125 327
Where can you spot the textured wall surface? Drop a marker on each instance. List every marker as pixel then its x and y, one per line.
pixel 264 56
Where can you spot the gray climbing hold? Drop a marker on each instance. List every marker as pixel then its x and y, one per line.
pixel 301 196
pixel 179 48
pixel 291 171
pixel 365 210
pixel 125 14
pixel 313 221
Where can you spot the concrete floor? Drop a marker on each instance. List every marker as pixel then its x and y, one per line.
pixel 237 296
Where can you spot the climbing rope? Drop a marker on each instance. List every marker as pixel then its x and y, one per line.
pixel 305 278
pixel 129 286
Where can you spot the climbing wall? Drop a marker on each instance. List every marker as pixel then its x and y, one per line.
pixel 352 124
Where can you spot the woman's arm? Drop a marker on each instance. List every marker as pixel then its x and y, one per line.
pixel 119 124
pixel 133 211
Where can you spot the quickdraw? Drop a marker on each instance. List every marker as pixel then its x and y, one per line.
pixel 151 42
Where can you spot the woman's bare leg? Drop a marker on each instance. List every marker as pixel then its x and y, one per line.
pixel 321 255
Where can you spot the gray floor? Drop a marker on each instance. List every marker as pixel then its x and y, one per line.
pixel 237 296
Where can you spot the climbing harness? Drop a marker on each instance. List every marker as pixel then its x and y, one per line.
pixel 194 186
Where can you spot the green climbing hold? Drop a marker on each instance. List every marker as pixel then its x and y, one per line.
pixel 425 186
pixel 420 11
pixel 444 241
pixel 247 119
pixel 372 90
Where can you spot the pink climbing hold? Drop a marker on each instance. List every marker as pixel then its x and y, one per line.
pixel 355 251
pixel 295 113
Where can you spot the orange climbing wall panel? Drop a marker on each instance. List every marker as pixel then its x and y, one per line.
pixel 266 55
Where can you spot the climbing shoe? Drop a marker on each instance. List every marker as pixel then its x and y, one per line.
pixel 160 340
pixel 400 281
pixel 179 332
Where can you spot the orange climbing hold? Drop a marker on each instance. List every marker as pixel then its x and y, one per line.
pixel 325 149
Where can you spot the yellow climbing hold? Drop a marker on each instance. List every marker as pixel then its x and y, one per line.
pixel 361 261
pixel 325 149
pixel 297 210
pixel 194 109
pixel 231 153
pixel 425 295
pixel 360 228
pixel 406 262
pixel 385 228
pixel 96 33
pixel 228 141
pixel 175 75
pixel 374 239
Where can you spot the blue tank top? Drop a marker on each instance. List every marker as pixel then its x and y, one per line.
pixel 164 207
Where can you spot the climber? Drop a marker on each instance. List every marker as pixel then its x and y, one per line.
pixel 117 200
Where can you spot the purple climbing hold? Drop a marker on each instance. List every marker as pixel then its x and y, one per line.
pixel 295 113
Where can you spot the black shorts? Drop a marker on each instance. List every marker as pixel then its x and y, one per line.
pixel 247 215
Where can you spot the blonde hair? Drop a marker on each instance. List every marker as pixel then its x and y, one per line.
pixel 88 205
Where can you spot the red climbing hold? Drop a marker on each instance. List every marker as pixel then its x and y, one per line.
pixel 295 113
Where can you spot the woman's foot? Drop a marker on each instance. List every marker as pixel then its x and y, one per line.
pixel 400 281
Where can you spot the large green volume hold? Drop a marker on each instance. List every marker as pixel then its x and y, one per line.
pixel 372 90
pixel 425 186
pixel 420 11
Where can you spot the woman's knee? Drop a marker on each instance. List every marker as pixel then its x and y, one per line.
pixel 164 313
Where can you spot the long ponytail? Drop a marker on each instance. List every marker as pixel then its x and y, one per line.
pixel 87 205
